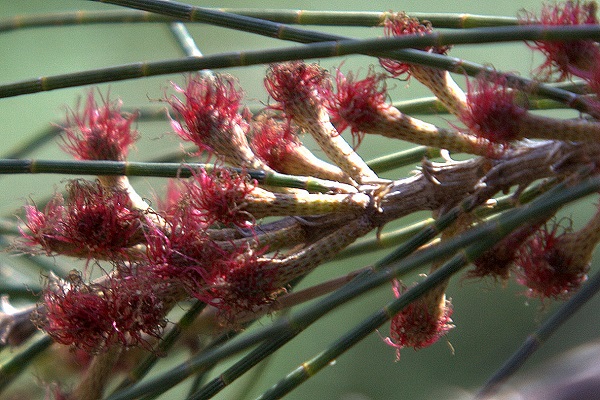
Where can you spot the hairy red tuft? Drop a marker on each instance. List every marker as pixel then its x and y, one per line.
pixel 218 196
pixel 566 57
pixel 497 261
pixel 358 103
pixel 492 112
pixel 210 108
pixel 92 317
pixel 93 222
pixel 546 267
pixel 295 84
pixel 273 141
pixel 400 24
pixel 184 253
pixel 241 282
pixel 416 325
pixel 99 132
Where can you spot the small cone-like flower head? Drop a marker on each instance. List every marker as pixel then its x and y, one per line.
pixel 549 264
pixel 358 103
pixel 566 57
pixel 208 115
pixel 400 24
pixel 92 317
pixel 492 111
pixel 99 132
pixel 498 261
pixel 419 324
pixel 241 282
pixel 218 196
pixel 297 87
pixel 273 142
pixel 93 222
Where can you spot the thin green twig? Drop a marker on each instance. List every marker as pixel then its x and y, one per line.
pixel 292 17
pixel 11 369
pixel 535 340
pixel 165 170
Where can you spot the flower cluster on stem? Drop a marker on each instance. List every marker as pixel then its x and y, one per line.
pixel 239 244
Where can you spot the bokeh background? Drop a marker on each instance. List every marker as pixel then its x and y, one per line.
pixel 491 320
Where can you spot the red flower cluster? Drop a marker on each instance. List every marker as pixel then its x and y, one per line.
pixel 417 325
pixel 183 253
pixel 273 142
pixel 547 267
pixel 240 282
pixel 218 196
pixel 99 132
pixel 210 109
pixel 492 111
pixel 295 84
pixel 499 260
pixel 94 316
pixel 568 58
pixel 357 103
pixel 94 221
pixel 400 24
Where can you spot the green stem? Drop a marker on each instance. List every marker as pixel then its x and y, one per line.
pixel 403 158
pixel 46 135
pixel 12 368
pixel 164 170
pixel 167 342
pixel 292 17
pixel 238 369
pixel 535 340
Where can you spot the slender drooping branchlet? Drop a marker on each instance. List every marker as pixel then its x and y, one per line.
pixel 438 81
pixel 301 91
pixel 361 105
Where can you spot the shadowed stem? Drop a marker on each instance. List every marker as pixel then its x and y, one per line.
pixel 535 340
pixel 97 374
pixel 11 369
pixel 164 345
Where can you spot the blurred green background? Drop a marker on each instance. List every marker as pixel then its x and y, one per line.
pixel 491 321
